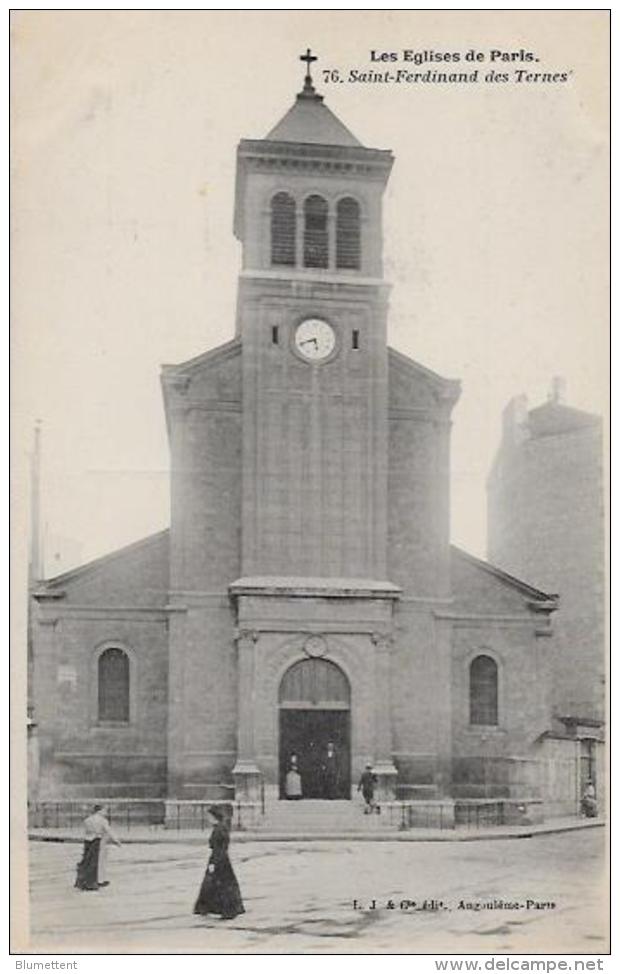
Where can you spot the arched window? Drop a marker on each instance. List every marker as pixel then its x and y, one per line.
pixel 483 691
pixel 315 232
pixel 283 230
pixel 113 685
pixel 348 241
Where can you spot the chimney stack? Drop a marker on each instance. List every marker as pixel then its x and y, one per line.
pixel 515 420
pixel 557 393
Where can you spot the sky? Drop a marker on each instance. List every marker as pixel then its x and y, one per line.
pixel 125 127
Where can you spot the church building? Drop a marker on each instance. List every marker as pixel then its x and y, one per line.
pixel 306 593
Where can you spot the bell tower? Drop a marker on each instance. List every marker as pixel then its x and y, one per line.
pixel 311 316
pixel 311 324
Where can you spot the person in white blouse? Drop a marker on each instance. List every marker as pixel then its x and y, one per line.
pixel 92 870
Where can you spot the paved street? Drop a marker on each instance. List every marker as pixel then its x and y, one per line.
pixel 299 898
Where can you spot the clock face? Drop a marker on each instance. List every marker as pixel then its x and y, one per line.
pixel 315 339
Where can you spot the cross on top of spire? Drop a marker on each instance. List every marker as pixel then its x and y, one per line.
pixel 308 57
pixel 308 89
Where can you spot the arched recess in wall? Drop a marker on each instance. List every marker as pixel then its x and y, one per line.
pixel 114 690
pixel 483 691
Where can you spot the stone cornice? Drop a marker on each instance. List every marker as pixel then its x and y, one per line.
pixel 85 611
pixel 422 414
pixel 315 278
pixel 43 596
pixel 212 405
pixel 344 627
pixel 311 587
pixel 550 605
pixel 183 599
pixel 483 618
pixel 424 600
pixel 106 754
pixel 261 154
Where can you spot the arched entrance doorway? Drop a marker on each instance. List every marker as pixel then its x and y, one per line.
pixel 315 701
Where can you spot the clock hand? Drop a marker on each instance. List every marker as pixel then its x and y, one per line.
pixel 307 341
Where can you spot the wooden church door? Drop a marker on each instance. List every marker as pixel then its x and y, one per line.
pixel 314 714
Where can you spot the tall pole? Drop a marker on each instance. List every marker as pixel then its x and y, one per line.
pixel 34 555
pixel 35 570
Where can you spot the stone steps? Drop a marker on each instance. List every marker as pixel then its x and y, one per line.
pixel 309 816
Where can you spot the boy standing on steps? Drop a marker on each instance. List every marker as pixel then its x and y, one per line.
pixel 366 785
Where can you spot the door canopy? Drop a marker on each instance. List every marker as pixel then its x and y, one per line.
pixel 315 683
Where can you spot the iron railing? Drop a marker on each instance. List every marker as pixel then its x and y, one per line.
pixel 129 813
pixel 126 813
pixel 407 815
pixel 193 815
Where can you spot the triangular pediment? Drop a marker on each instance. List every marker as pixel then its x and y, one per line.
pixel 214 376
pixel 414 386
pixel 138 571
pixel 211 359
pixel 478 584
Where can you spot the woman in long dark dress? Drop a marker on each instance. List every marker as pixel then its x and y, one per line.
pixel 219 891
pixel 88 866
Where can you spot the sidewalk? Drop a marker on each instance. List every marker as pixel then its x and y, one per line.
pixel 158 835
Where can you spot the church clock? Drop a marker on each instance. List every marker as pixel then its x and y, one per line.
pixel 315 339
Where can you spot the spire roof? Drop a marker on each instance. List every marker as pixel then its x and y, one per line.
pixel 309 120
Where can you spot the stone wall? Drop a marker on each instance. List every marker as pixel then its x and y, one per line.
pixel 418 536
pixel 117 601
pixel 495 616
pixel 202 739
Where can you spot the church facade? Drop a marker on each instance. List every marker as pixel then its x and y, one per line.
pixel 306 592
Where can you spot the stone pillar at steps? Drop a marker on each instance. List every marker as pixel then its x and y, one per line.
pixel 383 766
pixel 246 773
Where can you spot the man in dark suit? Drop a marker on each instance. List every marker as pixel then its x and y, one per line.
pixel 330 772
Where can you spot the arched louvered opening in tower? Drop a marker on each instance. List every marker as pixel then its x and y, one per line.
pixel 348 236
pixel 283 230
pixel 316 247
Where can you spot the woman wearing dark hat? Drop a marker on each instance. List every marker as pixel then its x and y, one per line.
pixel 219 892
